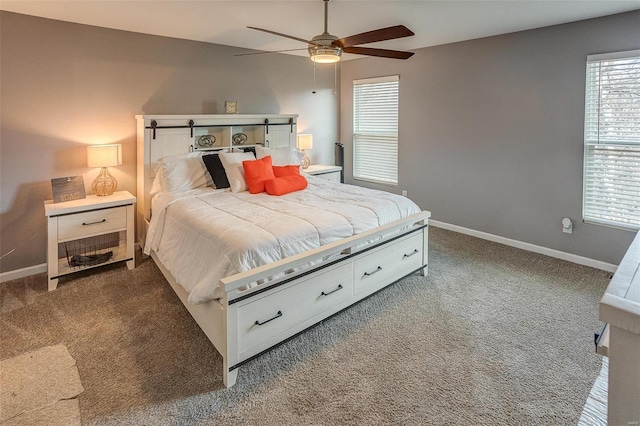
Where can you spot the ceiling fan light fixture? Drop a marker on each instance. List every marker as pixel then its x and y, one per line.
pixel 325 54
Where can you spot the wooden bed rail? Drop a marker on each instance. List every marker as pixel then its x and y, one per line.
pixel 233 283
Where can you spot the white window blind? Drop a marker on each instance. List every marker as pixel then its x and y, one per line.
pixel 611 193
pixel 375 128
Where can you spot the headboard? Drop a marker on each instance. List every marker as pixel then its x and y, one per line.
pixel 161 135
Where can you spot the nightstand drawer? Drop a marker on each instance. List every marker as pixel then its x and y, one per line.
pixel 92 223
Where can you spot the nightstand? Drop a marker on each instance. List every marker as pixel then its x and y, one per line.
pixel 87 233
pixel 323 171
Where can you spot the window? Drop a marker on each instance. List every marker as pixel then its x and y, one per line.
pixel 611 194
pixel 375 129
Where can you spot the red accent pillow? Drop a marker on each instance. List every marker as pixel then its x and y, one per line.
pixel 285 184
pixel 257 172
pixel 292 170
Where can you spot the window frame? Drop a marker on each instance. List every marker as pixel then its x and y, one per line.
pixel 360 172
pixel 602 183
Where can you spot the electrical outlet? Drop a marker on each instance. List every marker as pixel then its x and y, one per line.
pixel 404 192
pixel 567 225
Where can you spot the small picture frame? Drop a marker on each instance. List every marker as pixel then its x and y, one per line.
pixel 68 189
pixel 231 107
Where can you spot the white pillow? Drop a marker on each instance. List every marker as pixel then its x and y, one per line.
pixel 181 172
pixel 232 163
pixel 182 175
pixel 280 156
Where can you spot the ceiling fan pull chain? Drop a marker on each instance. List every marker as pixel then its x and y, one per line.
pixel 314 78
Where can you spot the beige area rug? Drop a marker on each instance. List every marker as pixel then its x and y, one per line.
pixel 493 336
pixel 40 388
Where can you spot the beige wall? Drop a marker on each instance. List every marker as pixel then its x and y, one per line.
pixel 65 86
pixel 491 131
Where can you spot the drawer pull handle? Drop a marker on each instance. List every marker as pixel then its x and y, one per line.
pixel 411 254
pixel 332 291
pixel 278 315
pixel 368 274
pixel 94 223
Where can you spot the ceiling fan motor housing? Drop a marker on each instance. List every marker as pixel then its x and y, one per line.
pixel 322 50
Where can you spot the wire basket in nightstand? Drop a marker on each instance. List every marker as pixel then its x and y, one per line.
pixel 92 251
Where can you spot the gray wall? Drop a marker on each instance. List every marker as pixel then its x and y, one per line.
pixel 65 86
pixel 491 131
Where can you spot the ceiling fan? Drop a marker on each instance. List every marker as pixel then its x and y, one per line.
pixel 327 48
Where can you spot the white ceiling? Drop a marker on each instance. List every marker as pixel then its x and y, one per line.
pixel 225 22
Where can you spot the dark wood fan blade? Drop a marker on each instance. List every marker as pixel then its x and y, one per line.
pixel 383 53
pixel 268 51
pixel 282 35
pixel 382 34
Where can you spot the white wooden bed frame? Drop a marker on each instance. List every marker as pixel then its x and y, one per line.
pixel 246 322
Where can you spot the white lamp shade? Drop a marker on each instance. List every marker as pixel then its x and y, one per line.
pixel 104 155
pixel 305 141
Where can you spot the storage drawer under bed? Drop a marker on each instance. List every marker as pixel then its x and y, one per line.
pixel 277 312
pixel 387 264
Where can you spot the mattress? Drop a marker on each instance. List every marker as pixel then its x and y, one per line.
pixel 205 234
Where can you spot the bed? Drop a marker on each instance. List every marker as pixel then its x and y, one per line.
pixel 256 269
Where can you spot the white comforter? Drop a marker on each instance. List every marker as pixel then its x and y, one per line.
pixel 204 235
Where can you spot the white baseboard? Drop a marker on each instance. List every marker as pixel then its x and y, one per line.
pixel 527 246
pixel 24 272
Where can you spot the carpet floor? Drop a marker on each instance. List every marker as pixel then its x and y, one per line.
pixel 494 336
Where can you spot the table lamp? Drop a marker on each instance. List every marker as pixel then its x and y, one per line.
pixel 104 156
pixel 305 142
